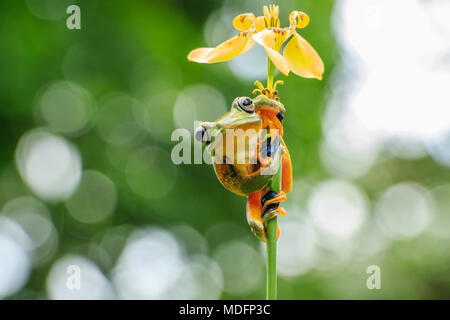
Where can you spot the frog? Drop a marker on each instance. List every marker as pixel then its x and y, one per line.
pixel 247 169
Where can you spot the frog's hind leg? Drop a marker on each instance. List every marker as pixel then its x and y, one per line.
pixel 254 215
pixel 286 173
pixel 271 206
pixel 261 209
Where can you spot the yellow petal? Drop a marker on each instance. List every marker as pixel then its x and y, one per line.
pixel 272 39
pixel 249 45
pixel 260 23
pixel 299 18
pixel 303 59
pixel 199 55
pixel 244 21
pixel 227 50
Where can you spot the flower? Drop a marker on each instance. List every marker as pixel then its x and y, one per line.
pixel 298 55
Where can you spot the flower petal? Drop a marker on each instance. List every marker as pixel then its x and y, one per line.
pixel 243 22
pixel 227 50
pixel 299 19
pixel 199 55
pixel 303 59
pixel 260 23
pixel 272 39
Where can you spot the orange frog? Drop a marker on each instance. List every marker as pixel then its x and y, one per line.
pixel 247 150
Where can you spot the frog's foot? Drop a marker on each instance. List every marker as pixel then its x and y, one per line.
pixel 254 216
pixel 270 93
pixel 271 205
pixel 262 209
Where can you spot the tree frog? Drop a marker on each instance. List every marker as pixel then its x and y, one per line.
pixel 247 149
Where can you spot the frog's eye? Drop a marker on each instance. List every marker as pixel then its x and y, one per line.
pixel 246 104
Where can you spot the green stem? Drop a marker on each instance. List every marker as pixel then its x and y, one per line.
pixel 270 74
pixel 271 245
pixel 271 227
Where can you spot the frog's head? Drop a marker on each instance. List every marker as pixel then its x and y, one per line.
pixel 242 115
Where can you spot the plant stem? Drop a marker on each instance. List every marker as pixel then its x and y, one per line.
pixel 271 228
pixel 270 74
pixel 271 245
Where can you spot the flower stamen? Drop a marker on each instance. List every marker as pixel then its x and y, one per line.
pixel 272 94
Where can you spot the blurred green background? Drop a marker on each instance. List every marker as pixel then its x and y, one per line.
pixel 86 177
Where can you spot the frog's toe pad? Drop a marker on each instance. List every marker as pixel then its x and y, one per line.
pixel 258 230
pixel 281 211
pixel 271 214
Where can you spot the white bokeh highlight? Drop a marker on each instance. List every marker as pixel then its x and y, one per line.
pixel 153 265
pixel 93 283
pixel 14 266
pixel 49 164
pixel 35 219
pixel 338 208
pixel 297 250
pixel 389 91
pixel 403 211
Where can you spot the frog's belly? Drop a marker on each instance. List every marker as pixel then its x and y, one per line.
pixel 241 179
